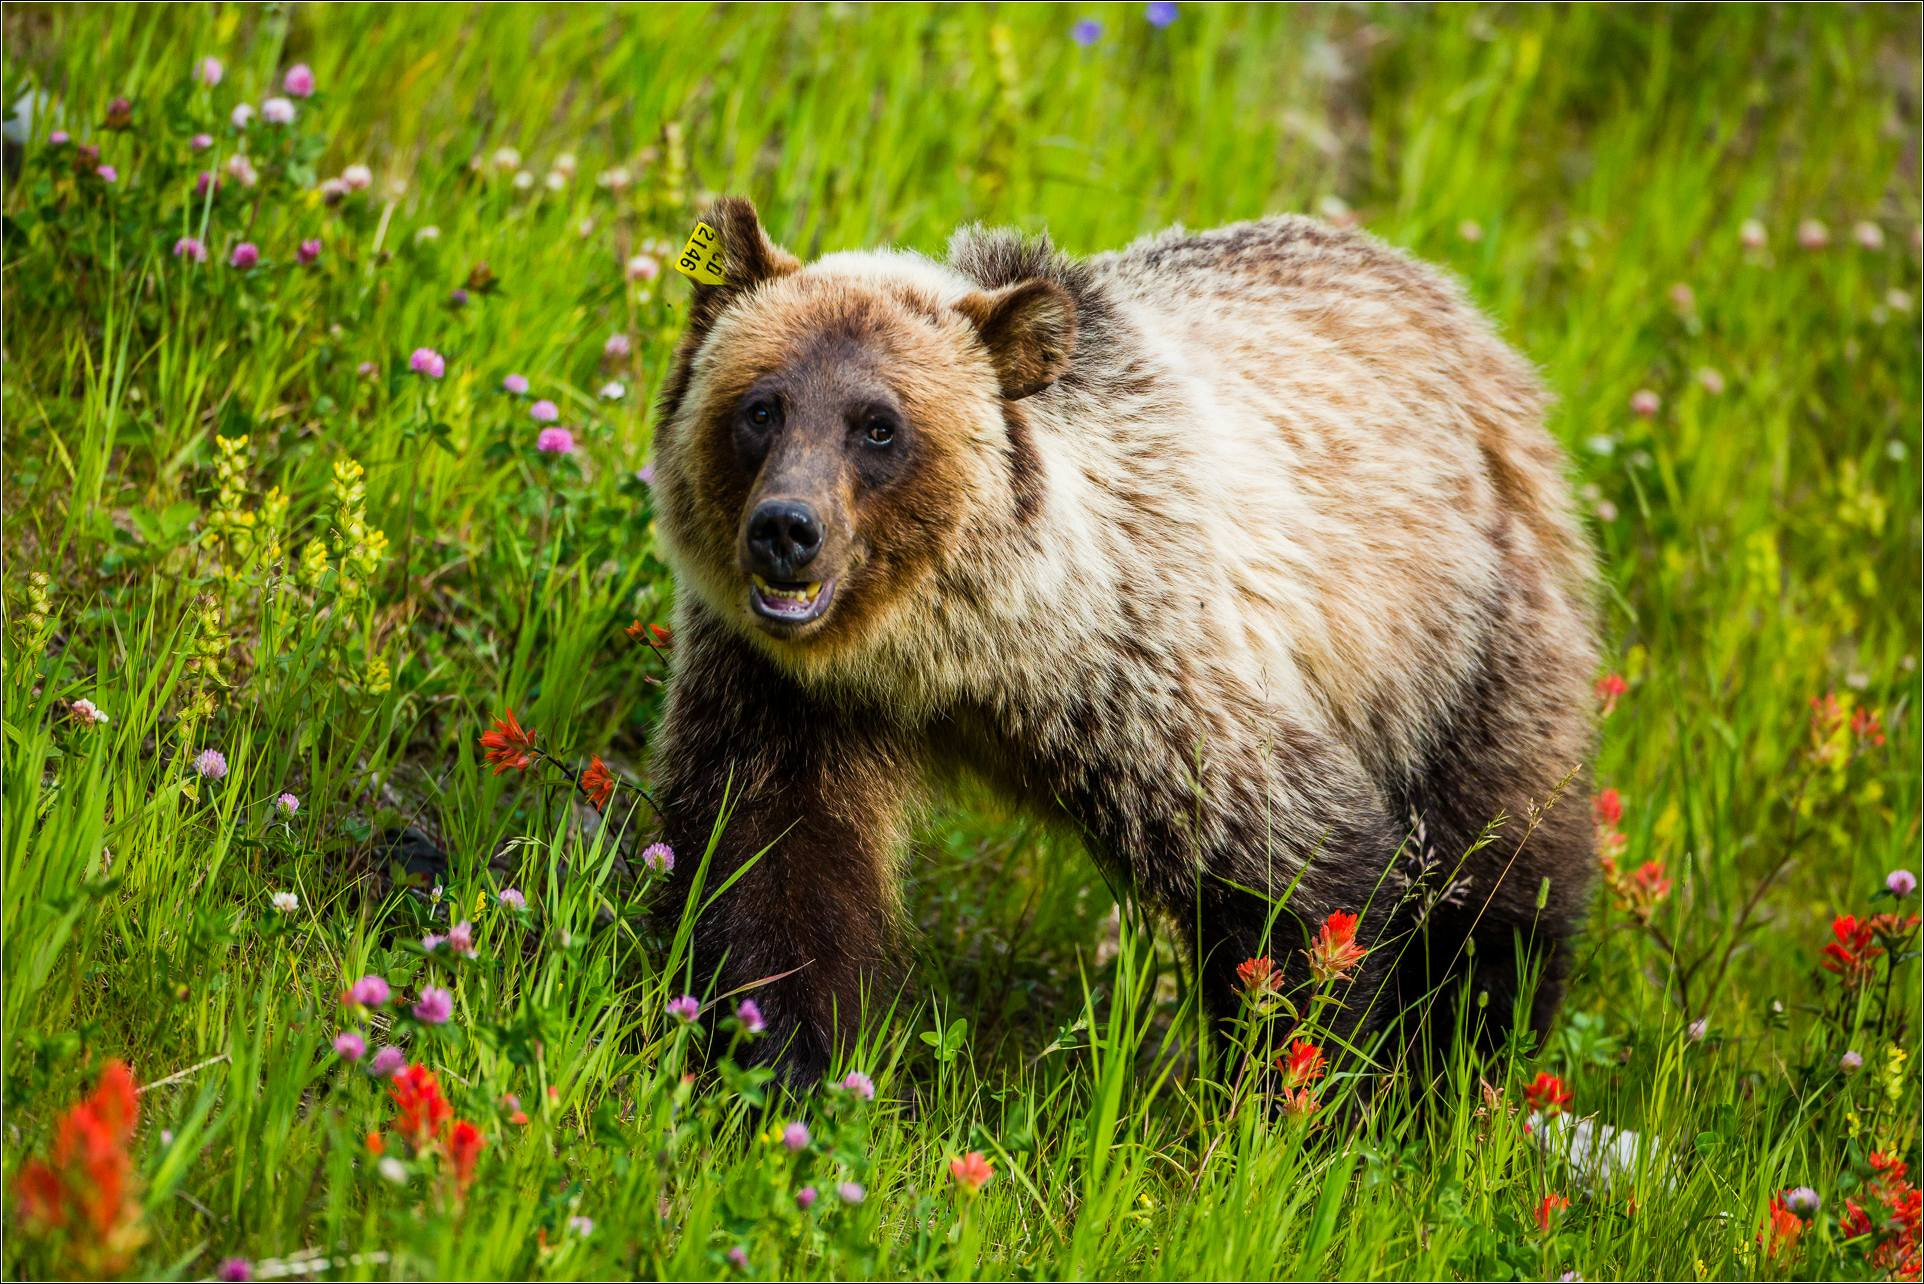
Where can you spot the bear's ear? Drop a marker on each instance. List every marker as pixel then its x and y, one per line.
pixel 1029 329
pixel 748 257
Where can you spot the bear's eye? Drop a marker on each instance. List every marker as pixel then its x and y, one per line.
pixel 761 413
pixel 879 430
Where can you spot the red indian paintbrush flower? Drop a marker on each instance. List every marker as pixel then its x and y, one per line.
pixel 425 1113
pixel 1651 883
pixel 1891 1234
pixel 464 1149
pixel 1611 688
pixel 507 745
pixel 656 635
pixel 1851 954
pixel 1546 1094
pixel 1781 1227
pixel 1547 1208
pixel 1335 951
pixel 1302 1065
pixel 1257 978
pixel 1608 804
pixel 83 1195
pixel 598 783
pixel 972 1171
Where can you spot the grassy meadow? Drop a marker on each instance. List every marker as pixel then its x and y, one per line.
pixel 270 572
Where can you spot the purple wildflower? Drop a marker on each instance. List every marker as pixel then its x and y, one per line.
pixel 749 1013
pixel 658 858
pixel 1901 883
pixel 544 412
pixel 860 1084
pixel 299 80
pixel 309 251
pixel 190 247
pixel 795 1136
pixel 685 1009
pixel 1086 32
pixel 370 991
pixel 245 255
pixel 1160 13
pixel 555 441
pixel 211 764
pixel 434 1006
pixel 350 1045
pixel 426 361
pixel 516 384
pixel 387 1061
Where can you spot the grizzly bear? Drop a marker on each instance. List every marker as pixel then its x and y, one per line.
pixel 1245 554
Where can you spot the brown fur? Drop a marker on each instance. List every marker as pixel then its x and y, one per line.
pixel 1245 554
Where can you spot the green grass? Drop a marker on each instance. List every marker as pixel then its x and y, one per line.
pixel 1760 548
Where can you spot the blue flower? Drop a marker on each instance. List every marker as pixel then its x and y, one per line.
pixel 1160 12
pixel 1086 32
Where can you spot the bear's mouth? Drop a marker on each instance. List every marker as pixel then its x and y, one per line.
pixel 790 604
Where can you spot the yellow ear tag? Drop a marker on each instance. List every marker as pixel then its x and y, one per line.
pixel 701 259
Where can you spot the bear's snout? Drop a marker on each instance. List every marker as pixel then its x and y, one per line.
pixel 781 544
pixel 784 535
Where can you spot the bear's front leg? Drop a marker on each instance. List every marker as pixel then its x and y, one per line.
pixel 814 796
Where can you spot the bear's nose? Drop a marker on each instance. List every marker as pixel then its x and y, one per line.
pixel 784 535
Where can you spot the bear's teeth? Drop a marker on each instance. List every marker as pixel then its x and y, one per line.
pixel 804 596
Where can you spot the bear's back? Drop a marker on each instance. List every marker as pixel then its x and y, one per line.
pixel 1343 457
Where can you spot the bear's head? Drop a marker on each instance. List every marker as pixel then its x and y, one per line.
pixel 832 432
